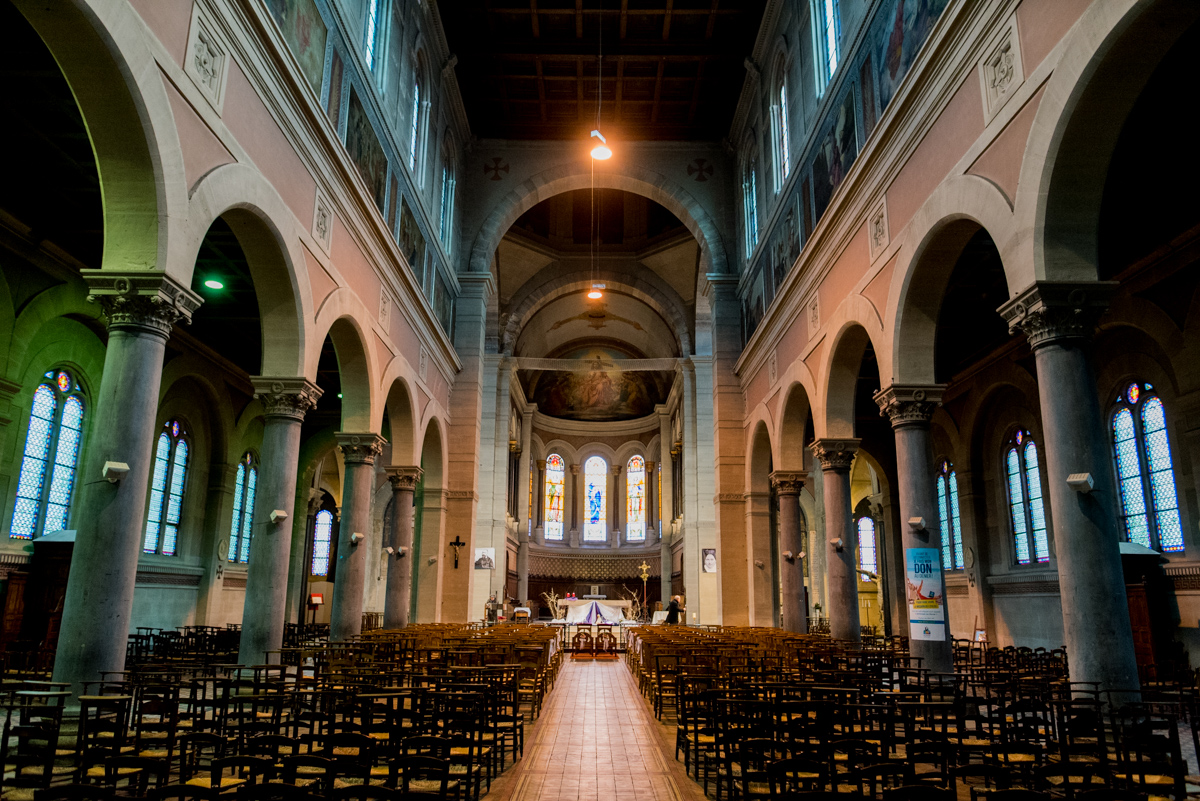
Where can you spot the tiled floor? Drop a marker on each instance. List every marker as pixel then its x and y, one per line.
pixel 596 740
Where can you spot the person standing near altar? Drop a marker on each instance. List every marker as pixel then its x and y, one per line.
pixel 673 611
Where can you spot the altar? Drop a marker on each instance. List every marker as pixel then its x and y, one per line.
pixel 592 610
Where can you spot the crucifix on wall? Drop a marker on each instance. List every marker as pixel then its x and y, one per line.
pixel 458 543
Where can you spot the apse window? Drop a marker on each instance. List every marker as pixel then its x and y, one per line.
pixel 556 471
pixel 166 490
pixel 635 500
pixel 1027 512
pixel 868 560
pixel 1145 474
pixel 244 489
pixel 322 541
pixel 51 455
pixel 595 474
pixel 947 499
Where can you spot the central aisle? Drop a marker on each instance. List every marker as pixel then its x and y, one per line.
pixel 597 740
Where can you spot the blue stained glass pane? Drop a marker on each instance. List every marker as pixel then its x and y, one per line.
pixel 1037 511
pixel 944 517
pixel 958 543
pixel 1170 531
pixel 1129 479
pixel 1162 475
pixel 235 528
pixel 248 515
pixel 178 476
pixel 322 537
pixel 66 454
pixel 170 537
pixel 158 483
pixel 33 465
pixel 866 545
pixel 153 529
pixel 1016 506
pixel 596 488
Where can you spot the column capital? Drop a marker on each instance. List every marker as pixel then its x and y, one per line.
pixel 909 405
pixel 1052 311
pixel 480 285
pixel 403 477
pixel 574 469
pixel 650 466
pixel 616 469
pixel 514 446
pixel 788 482
pixel 146 300
pixel 835 454
pixel 360 448
pixel 284 396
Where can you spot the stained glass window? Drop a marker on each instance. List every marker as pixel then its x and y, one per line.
pixel 867 559
pixel 1145 475
pixel 1027 511
pixel 414 124
pixel 947 499
pixel 322 538
pixel 166 490
pixel 244 489
pixel 785 145
pixel 595 476
pixel 51 455
pixel 556 471
pixel 372 25
pixel 751 202
pixel 635 499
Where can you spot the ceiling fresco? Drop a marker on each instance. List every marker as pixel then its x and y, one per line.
pixel 598 391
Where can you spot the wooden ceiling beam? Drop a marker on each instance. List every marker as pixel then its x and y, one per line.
pixel 624 17
pixel 712 20
pixel 541 80
pixel 667 19
pixel 695 104
pixel 533 19
pixel 658 82
pixel 578 19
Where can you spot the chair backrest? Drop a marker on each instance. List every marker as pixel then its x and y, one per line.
pixel 427 745
pixel 410 769
pixel 308 766
pixel 74 792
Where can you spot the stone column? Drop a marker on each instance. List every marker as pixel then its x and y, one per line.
pixel 523 570
pixel 841 539
pixel 286 400
pixel 141 309
pixel 792 541
pixel 618 517
pixel 1058 319
pixel 651 501
pixel 909 409
pixel 526 512
pixel 400 560
pixel 358 452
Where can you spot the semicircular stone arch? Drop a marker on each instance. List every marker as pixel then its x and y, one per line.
pixel 636 180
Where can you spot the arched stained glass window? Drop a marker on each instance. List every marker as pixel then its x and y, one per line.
pixel 783 135
pixel 827 34
pixel 322 539
pixel 1027 512
pixel 244 490
pixel 635 499
pixel 867 555
pixel 595 476
pixel 372 35
pixel 556 471
pixel 414 127
pixel 947 498
pixel 750 205
pixel 50 458
pixel 1145 474
pixel 166 490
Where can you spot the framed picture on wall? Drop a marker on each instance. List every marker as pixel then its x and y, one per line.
pixel 485 558
pixel 708 561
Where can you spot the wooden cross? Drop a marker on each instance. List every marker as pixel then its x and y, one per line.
pixel 458 543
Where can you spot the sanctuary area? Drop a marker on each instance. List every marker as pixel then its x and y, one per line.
pixel 569 398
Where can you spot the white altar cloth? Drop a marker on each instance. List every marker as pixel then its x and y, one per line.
pixel 594 612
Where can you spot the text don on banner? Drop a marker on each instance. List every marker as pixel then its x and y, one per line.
pixel 926 594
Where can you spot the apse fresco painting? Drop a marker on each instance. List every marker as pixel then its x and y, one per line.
pixel 599 391
pixel 363 146
pixel 865 86
pixel 305 34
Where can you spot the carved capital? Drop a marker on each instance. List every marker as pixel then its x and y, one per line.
pixel 574 469
pixel 403 478
pixel 514 446
pixel 360 448
pixel 283 396
pixel 909 405
pixel 788 483
pixel 835 454
pixel 650 467
pixel 616 469
pixel 141 300
pixel 1051 312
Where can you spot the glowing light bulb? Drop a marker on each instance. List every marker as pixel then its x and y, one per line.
pixel 213 283
pixel 595 293
pixel 601 151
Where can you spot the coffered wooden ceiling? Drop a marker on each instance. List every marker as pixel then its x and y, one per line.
pixel 672 69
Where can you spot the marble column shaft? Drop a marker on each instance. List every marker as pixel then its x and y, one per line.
pixel 909 410
pixel 398 595
pixel 835 457
pixel 1058 320
pixel 141 309
pixel 523 570
pixel 792 542
pixel 286 400
pixel 359 452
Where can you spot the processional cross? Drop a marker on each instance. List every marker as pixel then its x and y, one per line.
pixel 458 543
pixel 645 568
